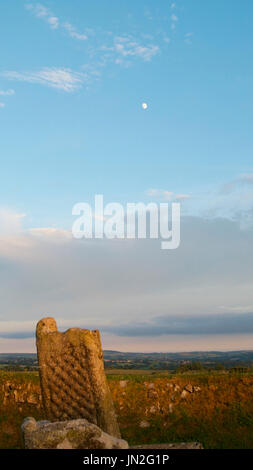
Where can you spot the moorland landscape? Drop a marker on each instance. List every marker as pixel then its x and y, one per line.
pixel 209 401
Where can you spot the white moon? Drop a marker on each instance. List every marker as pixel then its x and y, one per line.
pixel 144 106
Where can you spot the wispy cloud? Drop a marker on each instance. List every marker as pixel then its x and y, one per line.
pixel 10 221
pixel 148 14
pixel 159 194
pixel 51 233
pixel 242 180
pixel 126 46
pixel 103 49
pixel 166 39
pixel 74 33
pixel 7 93
pixel 61 79
pixel 40 11
pixel 188 38
pixel 166 195
pixel 237 308
pixel 174 18
pixel 182 197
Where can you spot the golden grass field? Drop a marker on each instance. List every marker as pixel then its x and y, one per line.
pixel 213 408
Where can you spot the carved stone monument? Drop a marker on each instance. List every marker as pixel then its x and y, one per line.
pixel 72 376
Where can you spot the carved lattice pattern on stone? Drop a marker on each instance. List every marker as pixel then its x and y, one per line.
pixel 72 376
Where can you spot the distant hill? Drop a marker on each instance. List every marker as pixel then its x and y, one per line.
pixel 161 361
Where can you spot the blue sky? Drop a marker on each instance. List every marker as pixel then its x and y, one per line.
pixel 60 147
pixel 73 77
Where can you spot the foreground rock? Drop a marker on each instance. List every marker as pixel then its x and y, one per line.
pixel 75 434
pixel 72 376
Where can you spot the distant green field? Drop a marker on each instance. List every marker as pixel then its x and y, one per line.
pixel 140 372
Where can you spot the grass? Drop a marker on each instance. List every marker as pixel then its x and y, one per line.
pixel 219 415
pixel 19 377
